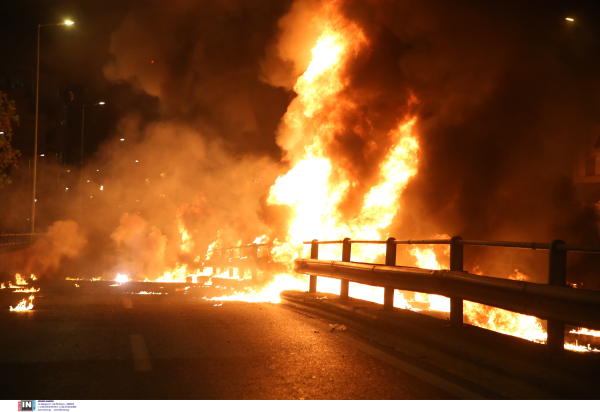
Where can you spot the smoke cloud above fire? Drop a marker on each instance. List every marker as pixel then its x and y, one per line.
pixel 499 93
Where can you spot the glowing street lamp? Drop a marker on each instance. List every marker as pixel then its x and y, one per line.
pixel 37 99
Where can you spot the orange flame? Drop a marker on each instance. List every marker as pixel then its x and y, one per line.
pixel 312 189
pixel 315 188
pixel 30 290
pixel 22 306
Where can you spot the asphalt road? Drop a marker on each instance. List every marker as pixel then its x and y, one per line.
pixel 101 342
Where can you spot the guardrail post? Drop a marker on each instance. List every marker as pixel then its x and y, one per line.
pixel 557 276
pixel 346 253
pixel 254 261
pixel 314 254
pixel 456 263
pixel 390 260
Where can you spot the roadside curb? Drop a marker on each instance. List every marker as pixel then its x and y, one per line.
pixel 509 366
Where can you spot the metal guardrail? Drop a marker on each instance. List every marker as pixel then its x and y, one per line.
pixel 250 260
pixel 18 238
pixel 555 301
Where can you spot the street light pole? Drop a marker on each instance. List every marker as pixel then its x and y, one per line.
pixel 37 100
pixel 81 159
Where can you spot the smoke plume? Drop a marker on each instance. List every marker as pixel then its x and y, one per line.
pixel 63 239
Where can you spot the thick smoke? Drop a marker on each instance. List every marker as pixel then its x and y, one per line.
pixel 205 166
pixel 63 240
pixel 142 247
pixel 202 61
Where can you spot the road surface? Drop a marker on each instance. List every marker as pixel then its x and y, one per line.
pixel 98 341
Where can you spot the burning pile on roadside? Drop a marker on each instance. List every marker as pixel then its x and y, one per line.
pixel 21 282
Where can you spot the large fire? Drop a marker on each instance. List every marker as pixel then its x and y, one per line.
pixel 316 187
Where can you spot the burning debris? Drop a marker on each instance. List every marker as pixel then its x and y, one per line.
pixel 30 290
pixel 22 306
pixel 80 279
pixel 578 348
pixel 20 280
pixel 121 278
pixel 585 331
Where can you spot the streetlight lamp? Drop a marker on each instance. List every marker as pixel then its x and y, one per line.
pixel 81 160
pixel 37 99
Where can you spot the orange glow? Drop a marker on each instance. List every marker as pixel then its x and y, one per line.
pixel 270 293
pixel 121 278
pixel 186 240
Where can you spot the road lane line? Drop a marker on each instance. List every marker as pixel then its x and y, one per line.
pixel 127 303
pixel 428 377
pixel 141 360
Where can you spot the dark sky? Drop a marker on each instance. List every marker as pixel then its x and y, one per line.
pixel 73 57
pixel 77 55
